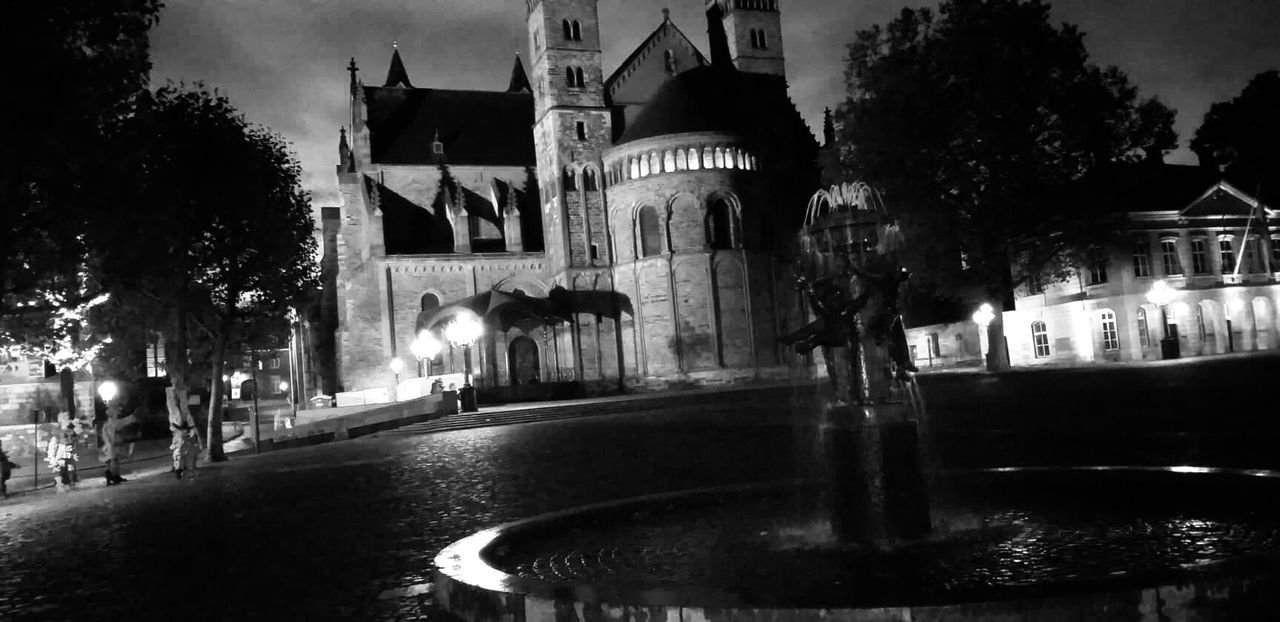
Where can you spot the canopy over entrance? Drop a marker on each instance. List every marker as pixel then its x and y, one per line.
pixel 509 309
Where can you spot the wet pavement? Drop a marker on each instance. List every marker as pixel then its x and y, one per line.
pixel 348 531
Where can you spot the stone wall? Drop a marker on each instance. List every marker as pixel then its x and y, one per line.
pixel 18 400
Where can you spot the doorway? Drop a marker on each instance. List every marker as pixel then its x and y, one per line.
pixel 522 360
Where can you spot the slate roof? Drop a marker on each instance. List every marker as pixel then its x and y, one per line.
pixel 476 127
pixel 714 99
pixel 519 82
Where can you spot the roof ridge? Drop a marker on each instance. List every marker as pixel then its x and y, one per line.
pixel 620 74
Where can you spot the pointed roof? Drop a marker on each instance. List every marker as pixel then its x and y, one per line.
pixel 519 79
pixel 667 29
pixel 396 74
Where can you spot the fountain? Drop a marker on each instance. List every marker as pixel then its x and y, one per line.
pixel 880 533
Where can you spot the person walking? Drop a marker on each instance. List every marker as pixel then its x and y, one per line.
pixel 61 453
pixel 6 469
pixel 185 447
pixel 113 443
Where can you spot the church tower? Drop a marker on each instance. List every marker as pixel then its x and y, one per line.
pixel 753 29
pixel 572 128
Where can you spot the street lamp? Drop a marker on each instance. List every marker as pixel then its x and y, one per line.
pixel 397 366
pixel 463 331
pixel 982 317
pixel 108 391
pixel 1161 295
pixel 425 348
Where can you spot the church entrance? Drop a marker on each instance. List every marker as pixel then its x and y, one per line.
pixel 522 360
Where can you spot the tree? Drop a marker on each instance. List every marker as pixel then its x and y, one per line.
pixel 1242 137
pixel 82 65
pixel 210 229
pixel 975 124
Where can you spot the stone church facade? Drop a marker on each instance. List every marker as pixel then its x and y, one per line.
pixel 670 186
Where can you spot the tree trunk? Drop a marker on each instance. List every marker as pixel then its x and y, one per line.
pixel 997 351
pixel 67 384
pixel 215 453
pixel 176 368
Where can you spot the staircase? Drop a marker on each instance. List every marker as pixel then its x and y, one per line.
pixel 700 401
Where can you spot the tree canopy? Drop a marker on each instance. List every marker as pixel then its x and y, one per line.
pixel 975 123
pixel 1242 136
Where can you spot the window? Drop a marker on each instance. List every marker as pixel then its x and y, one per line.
pixel 1252 258
pixel 670 58
pixel 722 229
pixel 719 157
pixel 668 162
pixel 1040 339
pixel 694 164
pixel 1200 321
pixel 1097 267
pixel 1199 257
pixel 1169 257
pixel 681 163
pixel 708 158
pixel 764 40
pixel 755 39
pixel 1144 336
pixel 654 163
pixel 590 180
pixel 1035 283
pixel 155 360
pixel 570 180
pixel 575 77
pixel 568 30
pixel 644 166
pixel 595 251
pixel 582 130
pixel 431 301
pixel 1110 335
pixel 650 232
pixel 635 168
pixel 935 347
pixel 1275 253
pixel 1226 256
pixel 1141 259
pixel 577 31
pixel 274 363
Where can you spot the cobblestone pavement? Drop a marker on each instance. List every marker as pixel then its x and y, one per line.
pixel 348 531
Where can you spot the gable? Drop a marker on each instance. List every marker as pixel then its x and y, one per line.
pixel 1221 200
pixel 643 72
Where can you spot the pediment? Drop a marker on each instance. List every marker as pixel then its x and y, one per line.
pixel 1222 199
pixel 639 76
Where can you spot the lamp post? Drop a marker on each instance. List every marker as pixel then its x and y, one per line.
pixel 425 348
pixel 982 317
pixel 463 331
pixel 1161 295
pixel 397 366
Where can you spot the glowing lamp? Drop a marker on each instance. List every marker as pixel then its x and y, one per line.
pixel 984 315
pixel 284 386
pixel 426 346
pixel 465 329
pixel 108 391
pixel 397 365
pixel 1161 294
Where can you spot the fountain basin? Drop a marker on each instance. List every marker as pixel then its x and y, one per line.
pixel 1123 543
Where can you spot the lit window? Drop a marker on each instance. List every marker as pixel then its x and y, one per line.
pixel 1110 334
pixel 1144 337
pixel 634 167
pixel 654 163
pixel 644 166
pixel 1169 257
pixel 694 163
pixel 155 360
pixel 719 157
pixel 1226 256
pixel 1040 339
pixel 682 163
pixel 708 158
pixel 668 162
pixel 1141 259
pixel 1199 256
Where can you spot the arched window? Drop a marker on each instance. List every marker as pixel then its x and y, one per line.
pixel 1040 339
pixel 755 164
pixel 1144 335
pixel 430 301
pixel 1110 334
pixel 719 161
pixel 764 40
pixel 668 162
pixel 722 226
pixel 570 179
pixel 589 181
pixel 581 127
pixel 569 78
pixel 577 31
pixel 635 168
pixel 670 57
pixel 708 158
pixel 568 30
pixel 650 232
pixel 582 81
pixel 682 164
pixel 694 163
pixel 755 39
pixel 644 166
pixel 655 164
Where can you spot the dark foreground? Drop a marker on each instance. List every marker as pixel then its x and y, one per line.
pixel 349 530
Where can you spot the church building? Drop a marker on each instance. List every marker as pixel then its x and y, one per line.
pixel 617 230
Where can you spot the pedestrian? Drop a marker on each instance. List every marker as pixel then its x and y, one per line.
pixel 113 442
pixel 437 386
pixel 61 453
pixel 185 447
pixel 6 469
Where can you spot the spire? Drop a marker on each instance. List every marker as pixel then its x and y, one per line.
pixel 344 151
pixel 828 128
pixel 666 14
pixel 519 79
pixel 396 75
pixel 352 69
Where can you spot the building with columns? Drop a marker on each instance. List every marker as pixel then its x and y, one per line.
pixel 1210 241
pixel 634 221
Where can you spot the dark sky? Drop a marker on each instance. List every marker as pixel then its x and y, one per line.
pixel 283 62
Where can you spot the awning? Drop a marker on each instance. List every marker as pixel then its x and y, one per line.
pixel 507 309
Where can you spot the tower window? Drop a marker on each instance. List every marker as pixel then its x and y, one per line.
pixel 764 40
pixel 577 31
pixel 595 251
pixel 722 228
pixel 575 77
pixel 582 130
pixel 755 39
pixel 570 179
pixel 568 30
pixel 589 180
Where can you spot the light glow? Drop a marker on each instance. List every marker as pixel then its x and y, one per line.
pixel 108 391
pixel 984 315
pixel 397 365
pixel 426 346
pixel 464 330
pixel 284 386
pixel 1161 294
